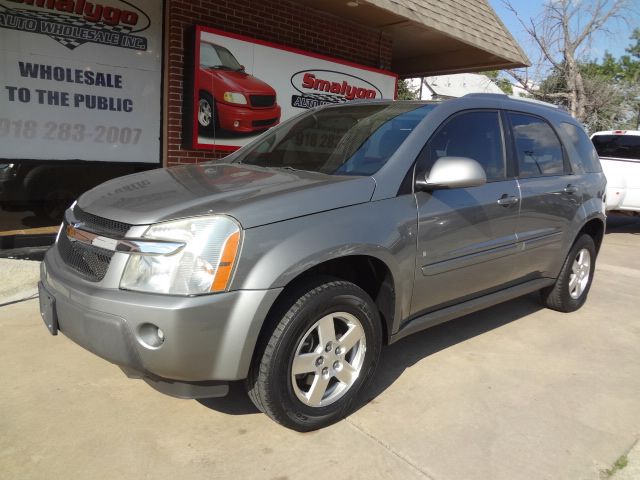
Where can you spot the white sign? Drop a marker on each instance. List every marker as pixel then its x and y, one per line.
pixel 80 79
pixel 244 86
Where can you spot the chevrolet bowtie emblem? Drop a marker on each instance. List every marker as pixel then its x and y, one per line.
pixel 75 234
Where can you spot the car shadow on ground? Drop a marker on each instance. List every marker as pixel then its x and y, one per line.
pixel 623 224
pixel 396 358
pixel 235 403
pixel 399 356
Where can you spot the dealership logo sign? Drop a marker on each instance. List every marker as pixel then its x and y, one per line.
pixel 75 22
pixel 321 87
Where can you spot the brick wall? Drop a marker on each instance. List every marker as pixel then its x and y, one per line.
pixel 277 21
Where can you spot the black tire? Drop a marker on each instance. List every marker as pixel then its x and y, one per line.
pixel 50 199
pixel 270 383
pixel 559 296
pixel 204 127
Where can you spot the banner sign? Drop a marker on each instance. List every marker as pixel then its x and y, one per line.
pixel 80 80
pixel 243 86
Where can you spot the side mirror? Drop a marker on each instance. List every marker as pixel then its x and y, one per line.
pixel 453 172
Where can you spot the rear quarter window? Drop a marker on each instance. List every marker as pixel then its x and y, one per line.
pixel 582 154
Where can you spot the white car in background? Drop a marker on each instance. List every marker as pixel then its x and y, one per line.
pixel 619 152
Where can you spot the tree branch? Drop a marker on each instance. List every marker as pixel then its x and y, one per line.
pixel 533 33
pixel 598 19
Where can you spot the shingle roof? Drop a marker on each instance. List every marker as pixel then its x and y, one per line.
pixel 471 21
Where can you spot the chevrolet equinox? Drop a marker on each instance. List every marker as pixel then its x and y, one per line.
pixel 345 228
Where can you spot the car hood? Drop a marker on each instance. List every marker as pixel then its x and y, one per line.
pixel 253 195
pixel 240 81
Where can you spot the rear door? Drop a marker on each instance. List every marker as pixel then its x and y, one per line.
pixel 466 236
pixel 550 195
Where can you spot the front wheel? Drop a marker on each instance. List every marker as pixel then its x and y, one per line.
pixel 572 285
pixel 206 114
pixel 322 352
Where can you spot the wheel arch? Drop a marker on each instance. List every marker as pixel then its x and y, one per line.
pixel 366 271
pixel 204 91
pixel 595 228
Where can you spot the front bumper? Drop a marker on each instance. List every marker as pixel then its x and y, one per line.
pixel 206 338
pixel 248 119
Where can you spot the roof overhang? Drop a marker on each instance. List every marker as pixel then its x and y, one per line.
pixel 434 37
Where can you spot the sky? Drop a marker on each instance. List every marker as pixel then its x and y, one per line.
pixel 615 43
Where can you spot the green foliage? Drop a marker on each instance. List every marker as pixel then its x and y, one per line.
pixel 634 50
pixel 623 69
pixel 502 82
pixel 405 92
pixel 619 464
pixel 612 88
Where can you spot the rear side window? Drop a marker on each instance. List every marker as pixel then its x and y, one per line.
pixel 537 146
pixel 584 158
pixel 618 146
pixel 476 135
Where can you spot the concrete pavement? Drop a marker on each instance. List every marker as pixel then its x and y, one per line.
pixel 18 279
pixel 513 392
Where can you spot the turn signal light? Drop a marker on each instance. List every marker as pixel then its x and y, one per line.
pixel 225 267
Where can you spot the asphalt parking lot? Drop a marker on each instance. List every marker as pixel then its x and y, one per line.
pixel 512 392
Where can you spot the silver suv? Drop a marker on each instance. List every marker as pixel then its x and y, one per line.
pixel 345 228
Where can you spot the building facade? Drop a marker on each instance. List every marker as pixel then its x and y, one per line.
pixel 95 90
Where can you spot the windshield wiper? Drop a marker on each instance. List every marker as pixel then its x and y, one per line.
pixel 219 67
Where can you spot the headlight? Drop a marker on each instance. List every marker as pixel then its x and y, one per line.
pixel 7 171
pixel 235 97
pixel 203 265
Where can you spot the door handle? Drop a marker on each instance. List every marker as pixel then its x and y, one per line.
pixel 570 189
pixel 507 200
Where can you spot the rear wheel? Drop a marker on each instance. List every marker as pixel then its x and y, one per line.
pixel 322 352
pixel 572 285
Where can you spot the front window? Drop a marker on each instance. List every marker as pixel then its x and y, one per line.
pixel 215 56
pixel 475 135
pixel 355 139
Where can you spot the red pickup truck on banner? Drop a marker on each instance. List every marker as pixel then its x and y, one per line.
pixel 229 98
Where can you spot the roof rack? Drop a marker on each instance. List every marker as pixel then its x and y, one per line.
pixel 485 95
pixel 533 100
pixel 514 97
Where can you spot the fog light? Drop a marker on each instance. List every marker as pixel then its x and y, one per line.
pixel 150 335
pixel 236 123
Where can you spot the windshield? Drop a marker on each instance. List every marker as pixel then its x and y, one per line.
pixel 215 56
pixel 617 146
pixel 354 139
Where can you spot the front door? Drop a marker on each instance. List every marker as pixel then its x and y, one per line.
pixel 466 236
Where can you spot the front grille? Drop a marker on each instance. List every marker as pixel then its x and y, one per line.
pixel 103 226
pixel 89 261
pixel 262 101
pixel 264 123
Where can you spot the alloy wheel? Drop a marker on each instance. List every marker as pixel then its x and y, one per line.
pixel 205 113
pixel 580 270
pixel 328 359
